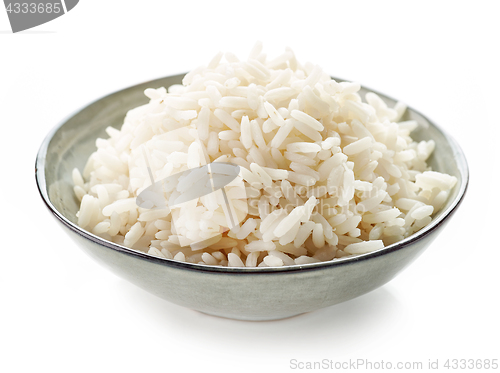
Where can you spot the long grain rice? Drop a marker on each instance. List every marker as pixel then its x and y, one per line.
pixel 324 175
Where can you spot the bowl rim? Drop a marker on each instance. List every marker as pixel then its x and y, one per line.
pixel 425 231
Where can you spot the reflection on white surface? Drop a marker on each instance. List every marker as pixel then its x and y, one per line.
pixel 357 323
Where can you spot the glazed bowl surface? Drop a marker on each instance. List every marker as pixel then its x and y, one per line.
pixel 239 293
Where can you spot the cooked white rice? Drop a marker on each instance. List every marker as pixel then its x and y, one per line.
pixel 326 174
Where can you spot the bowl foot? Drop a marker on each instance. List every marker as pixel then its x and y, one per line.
pixel 252 318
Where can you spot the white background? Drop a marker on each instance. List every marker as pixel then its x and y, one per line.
pixel 62 312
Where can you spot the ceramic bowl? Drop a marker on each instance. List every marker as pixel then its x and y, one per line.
pixel 239 293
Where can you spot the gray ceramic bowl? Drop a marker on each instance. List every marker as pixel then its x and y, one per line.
pixel 239 293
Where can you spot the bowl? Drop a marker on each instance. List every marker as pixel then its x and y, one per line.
pixel 238 293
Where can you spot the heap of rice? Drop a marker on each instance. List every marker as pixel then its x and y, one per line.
pixel 327 175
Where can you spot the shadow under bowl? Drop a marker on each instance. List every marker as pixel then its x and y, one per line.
pixel 238 293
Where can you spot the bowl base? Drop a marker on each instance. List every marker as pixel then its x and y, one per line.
pixel 253 318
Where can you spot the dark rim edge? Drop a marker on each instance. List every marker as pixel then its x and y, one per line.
pixel 425 231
